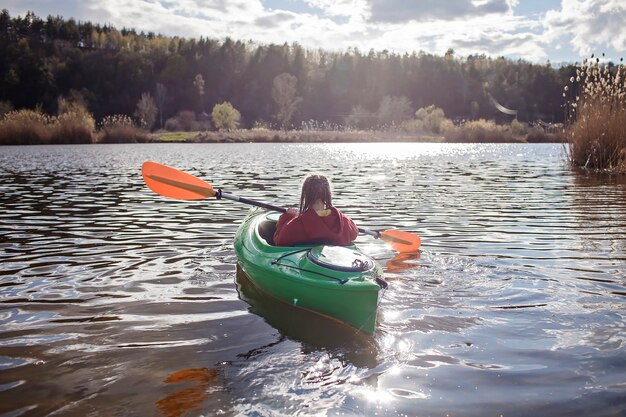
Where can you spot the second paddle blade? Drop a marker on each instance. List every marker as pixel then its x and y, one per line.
pixel 172 183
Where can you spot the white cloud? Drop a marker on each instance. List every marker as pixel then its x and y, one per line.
pixel 274 20
pixel 399 11
pixel 589 25
pixel 340 7
pixel 188 18
pixel 492 35
pixel 526 45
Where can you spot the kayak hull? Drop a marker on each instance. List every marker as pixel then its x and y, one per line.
pixel 337 282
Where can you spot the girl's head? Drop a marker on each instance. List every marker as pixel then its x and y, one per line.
pixel 315 187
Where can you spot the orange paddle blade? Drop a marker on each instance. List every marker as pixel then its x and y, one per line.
pixel 172 183
pixel 401 241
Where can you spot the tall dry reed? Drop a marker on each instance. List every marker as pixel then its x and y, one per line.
pixel 32 127
pixel 480 131
pixel 25 127
pixel 597 116
pixel 120 128
pixel 74 125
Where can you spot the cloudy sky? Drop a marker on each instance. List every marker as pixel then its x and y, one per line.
pixel 535 30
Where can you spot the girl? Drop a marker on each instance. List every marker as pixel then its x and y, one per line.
pixel 317 221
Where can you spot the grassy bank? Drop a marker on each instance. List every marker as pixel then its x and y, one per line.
pixel 291 136
pixel 479 131
pixel 76 126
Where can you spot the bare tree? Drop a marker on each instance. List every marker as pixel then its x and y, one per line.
pixel 360 118
pixel 394 109
pixel 285 96
pixel 161 95
pixel 146 110
pixel 198 82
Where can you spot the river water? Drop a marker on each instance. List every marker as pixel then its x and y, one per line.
pixel 115 301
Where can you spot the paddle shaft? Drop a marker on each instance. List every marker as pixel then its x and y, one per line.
pixel 172 183
pixel 221 194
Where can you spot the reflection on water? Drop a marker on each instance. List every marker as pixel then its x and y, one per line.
pixel 115 301
pixel 402 261
pixel 184 400
pixel 312 330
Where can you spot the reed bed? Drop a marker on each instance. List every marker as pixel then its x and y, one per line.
pixel 25 127
pixel 540 135
pixel 597 115
pixel 32 127
pixel 75 126
pixel 120 128
pixel 481 131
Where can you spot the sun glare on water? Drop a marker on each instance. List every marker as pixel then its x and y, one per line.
pixel 395 151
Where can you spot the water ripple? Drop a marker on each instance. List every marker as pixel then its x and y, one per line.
pixel 116 301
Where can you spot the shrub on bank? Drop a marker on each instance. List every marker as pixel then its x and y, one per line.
pixel 225 116
pixel 597 133
pixel 431 117
pixel 120 128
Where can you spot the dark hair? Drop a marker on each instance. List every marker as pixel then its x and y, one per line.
pixel 314 187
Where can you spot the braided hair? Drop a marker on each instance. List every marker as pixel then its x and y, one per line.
pixel 314 187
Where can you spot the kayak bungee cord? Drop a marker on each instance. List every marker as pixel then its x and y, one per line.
pixel 297 268
pixel 277 262
pixel 381 282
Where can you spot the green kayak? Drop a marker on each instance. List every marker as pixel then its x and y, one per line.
pixel 335 281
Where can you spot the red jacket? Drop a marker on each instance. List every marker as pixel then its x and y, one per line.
pixel 309 227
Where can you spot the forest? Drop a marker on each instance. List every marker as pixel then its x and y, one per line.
pixel 42 60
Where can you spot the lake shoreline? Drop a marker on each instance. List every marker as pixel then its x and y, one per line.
pixel 126 134
pixel 290 136
pixel 298 136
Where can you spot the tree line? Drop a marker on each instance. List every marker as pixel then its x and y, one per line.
pixel 111 71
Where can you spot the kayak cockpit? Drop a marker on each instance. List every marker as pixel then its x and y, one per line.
pixel 266 230
pixel 329 257
pixel 340 258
